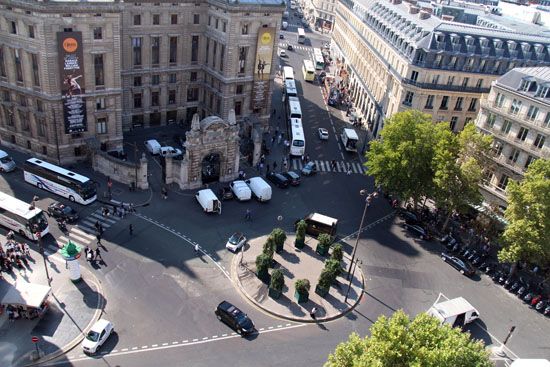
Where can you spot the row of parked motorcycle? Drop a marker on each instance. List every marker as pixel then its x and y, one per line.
pixel 529 291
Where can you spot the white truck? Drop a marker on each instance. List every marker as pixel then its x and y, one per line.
pixel 349 139
pixel 455 312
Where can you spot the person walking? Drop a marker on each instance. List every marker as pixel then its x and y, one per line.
pixel 274 166
pixel 164 193
pixel 100 229
pixel 98 238
pixel 98 254
pixel 131 228
pixel 97 225
pixel 279 139
pixel 196 248
pixel 349 169
pixel 248 215
pixel 313 313
pixel 267 169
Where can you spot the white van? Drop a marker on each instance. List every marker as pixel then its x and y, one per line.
pixel 153 146
pixel 260 188
pixel 209 201
pixel 241 190
pixel 7 164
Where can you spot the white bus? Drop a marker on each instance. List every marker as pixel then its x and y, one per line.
pixel 301 35
pixel 308 70
pixel 294 110
pixel 349 139
pixel 290 88
pixel 319 59
pixel 21 218
pixel 47 176
pixel 288 73
pixel 298 142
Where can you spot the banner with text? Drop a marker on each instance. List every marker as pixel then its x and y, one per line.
pixel 71 71
pixel 262 67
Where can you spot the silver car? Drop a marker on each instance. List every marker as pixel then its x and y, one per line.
pixel 323 133
pixel 235 242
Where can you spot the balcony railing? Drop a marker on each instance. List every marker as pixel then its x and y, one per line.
pixel 446 87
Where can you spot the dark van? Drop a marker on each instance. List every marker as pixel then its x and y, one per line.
pixel 319 223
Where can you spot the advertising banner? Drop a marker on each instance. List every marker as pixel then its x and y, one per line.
pixel 262 67
pixel 71 71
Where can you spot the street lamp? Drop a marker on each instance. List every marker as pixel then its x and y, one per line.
pixel 368 200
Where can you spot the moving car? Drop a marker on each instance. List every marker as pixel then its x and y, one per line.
pixel 7 164
pixel 323 133
pixel 417 230
pixel 234 318
pixel 282 36
pixel 461 265
pixel 97 336
pixel 292 177
pixel 289 47
pixel 282 53
pixel 309 169
pixel 278 179
pixel 235 242
pixel 62 211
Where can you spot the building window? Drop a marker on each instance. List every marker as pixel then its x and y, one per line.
pixel 542 91
pixel 194 48
pixel 22 100
pixel 155 99
pixel 35 71
pixel 522 133
pixel 100 103
pixel 408 98
pixel 453 123
pixel 506 126
pixel 217 23
pixel 429 102
pixel 2 64
pixel 155 79
pixel 156 19
pixel 137 100
pixel 514 154
pixel 530 159
pixel 207 53
pixel 452 63
pixel 465 82
pixel 244 28
pixel 546 122
pixel 173 50
pixel 499 100
pixel 39 105
pixel 98 70
pixel 437 61
pixel 238 108
pixel 196 19
pixel 101 125
pixel 13 27
pixel 451 80
pixel 458 104
pixel 174 19
pixel 136 48
pixel 214 53
pixel 193 76
pixel 172 97
pixel 98 33
pixel 444 103
pixel 491 118
pixel 31 31
pixel 467 120
pixel 18 69
pixel 482 65
pixel 224 26
pixel 240 87
pixel 515 107
pixel 473 105
pixel 192 94
pixel 532 113
pixel 414 75
pixel 41 124
pixel 435 79
pixel 539 141
pixel 155 50
pixel 479 83
pixel 222 56
pixel 243 52
pixel 172 78
pixel 503 182
pixel 137 19
pixel 524 85
pixel 137 81
pixel 487 177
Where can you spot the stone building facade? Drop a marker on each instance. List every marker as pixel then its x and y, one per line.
pixel 322 12
pixel 145 64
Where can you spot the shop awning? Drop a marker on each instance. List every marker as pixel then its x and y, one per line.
pixel 26 294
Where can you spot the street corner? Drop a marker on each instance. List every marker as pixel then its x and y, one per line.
pixel 320 305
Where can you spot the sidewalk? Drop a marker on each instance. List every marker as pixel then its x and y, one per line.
pixel 73 308
pixel 296 264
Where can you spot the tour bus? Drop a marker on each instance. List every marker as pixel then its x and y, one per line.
pixel 47 176
pixel 294 111
pixel 290 88
pixel 319 59
pixel 288 73
pixel 22 218
pixel 298 142
pixel 301 35
pixel 349 139
pixel 308 70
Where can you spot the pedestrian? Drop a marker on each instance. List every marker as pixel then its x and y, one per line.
pixel 313 313
pixel 267 171
pixel 100 229
pixel 349 169
pixel 197 248
pixel 248 215
pixel 131 208
pixel 97 225
pixel 274 166
pixel 261 167
pixel 164 193
pixel 98 254
pixel 131 228
pixel 98 237
pixel 86 250
pixel 273 140
pixel 279 139
pixel 274 111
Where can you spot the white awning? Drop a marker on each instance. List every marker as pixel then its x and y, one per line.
pixel 26 294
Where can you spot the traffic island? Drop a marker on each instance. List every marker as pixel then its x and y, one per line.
pixel 296 266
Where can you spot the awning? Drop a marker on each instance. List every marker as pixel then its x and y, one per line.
pixel 26 294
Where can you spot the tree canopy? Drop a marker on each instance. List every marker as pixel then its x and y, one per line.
pixel 527 235
pixel 399 341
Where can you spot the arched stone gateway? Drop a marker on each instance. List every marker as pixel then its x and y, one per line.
pixel 210 170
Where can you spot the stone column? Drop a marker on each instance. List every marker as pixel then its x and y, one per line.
pixel 257 139
pixel 143 182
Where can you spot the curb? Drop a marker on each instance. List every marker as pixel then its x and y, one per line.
pixel 68 347
pixel 237 282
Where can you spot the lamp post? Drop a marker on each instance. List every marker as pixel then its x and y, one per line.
pixel 368 200
pixel 41 248
pixel 350 279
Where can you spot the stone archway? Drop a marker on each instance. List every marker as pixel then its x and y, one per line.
pixel 210 168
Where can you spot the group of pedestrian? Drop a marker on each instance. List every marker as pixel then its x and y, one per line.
pixel 92 255
pixel 14 254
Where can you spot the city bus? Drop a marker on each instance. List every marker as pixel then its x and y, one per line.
pixel 319 59
pixel 290 88
pixel 298 142
pixel 288 73
pixel 301 35
pixel 294 110
pixel 47 176
pixel 308 70
pixel 22 218
pixel 349 139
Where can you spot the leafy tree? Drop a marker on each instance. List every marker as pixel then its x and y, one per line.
pixel 262 265
pixel 527 236
pixel 300 234
pixel 269 247
pixel 326 278
pixel 334 267
pixel 279 238
pixel 401 160
pixel 337 252
pixel 399 341
pixel 324 240
pixel 277 280
pixel 302 286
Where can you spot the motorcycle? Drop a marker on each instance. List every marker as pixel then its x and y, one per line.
pixel 517 284
pixel 509 282
pixel 529 297
pixel 523 290
pixel 541 305
pixel 547 310
pixel 536 299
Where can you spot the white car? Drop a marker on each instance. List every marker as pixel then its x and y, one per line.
pixel 282 53
pixel 323 134
pixel 97 335
pixel 235 242
pixel 170 152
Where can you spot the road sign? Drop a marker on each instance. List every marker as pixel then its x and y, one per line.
pixel 34 339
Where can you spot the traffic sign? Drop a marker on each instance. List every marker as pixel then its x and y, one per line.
pixel 34 339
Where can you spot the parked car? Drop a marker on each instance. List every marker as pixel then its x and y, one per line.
pixel 234 318
pixel 409 217
pixel 62 211
pixel 278 180
pixel 281 36
pixel 97 336
pixel 292 177
pixel 323 133
pixel 172 152
pixel 289 47
pixel 417 230
pixel 309 169
pixel 461 265
pixel 152 146
pixel 282 53
pixel 235 242
pixel 225 193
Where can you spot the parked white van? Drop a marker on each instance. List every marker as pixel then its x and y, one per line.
pixel 260 188
pixel 209 201
pixel 7 164
pixel 241 190
pixel 153 146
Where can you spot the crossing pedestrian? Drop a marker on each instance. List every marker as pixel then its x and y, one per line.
pixel 164 193
pixel 274 166
pixel 98 254
pixel 248 215
pixel 273 140
pixel 98 238
pixel 100 229
pixel 97 225
pixel 313 313
pixel 197 248
pixel 349 169
pixel 131 228
pixel 279 139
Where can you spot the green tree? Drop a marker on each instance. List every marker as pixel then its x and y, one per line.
pixel 299 242
pixel 263 262
pixel 399 341
pixel 401 160
pixel 527 236
pixel 269 247
pixel 337 252
pixel 277 280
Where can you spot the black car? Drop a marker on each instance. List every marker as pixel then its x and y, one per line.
pixel 278 179
pixel 62 211
pixel 461 265
pixel 418 230
pixel 281 36
pixel 290 47
pixel 235 318
pixel 225 193
pixel 409 217
pixel 293 177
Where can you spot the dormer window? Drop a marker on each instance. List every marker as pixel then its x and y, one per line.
pixel 512 45
pixel 439 37
pixel 542 90
pixel 469 40
pixel 524 85
pixel 455 39
pixel 497 43
pixel 484 42
pixel 538 48
pixel 526 47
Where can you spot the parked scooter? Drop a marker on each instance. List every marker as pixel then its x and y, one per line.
pixel 523 290
pixel 541 305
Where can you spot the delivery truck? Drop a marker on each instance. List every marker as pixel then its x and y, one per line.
pixel 455 312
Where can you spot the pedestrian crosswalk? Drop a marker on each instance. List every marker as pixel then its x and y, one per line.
pixel 326 166
pixel 295 47
pixel 84 232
